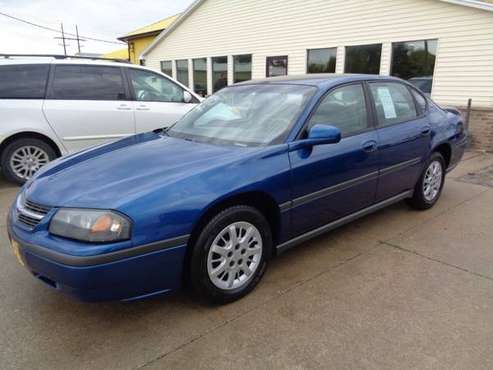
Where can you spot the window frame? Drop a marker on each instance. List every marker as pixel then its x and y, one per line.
pixel 162 75
pixel 406 41
pixel 206 75
pixel 351 46
pixel 374 108
pixel 161 67
pixel 50 95
pixel 308 55
pixel 233 67
pixel 371 124
pixel 272 57
pixel 46 85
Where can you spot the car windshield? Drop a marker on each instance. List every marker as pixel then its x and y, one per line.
pixel 245 115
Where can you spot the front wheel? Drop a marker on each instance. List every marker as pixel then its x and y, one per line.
pixel 430 184
pixel 231 254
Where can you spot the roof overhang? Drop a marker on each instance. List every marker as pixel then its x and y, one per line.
pixel 140 35
pixel 468 3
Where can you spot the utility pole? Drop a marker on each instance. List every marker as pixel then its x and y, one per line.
pixel 65 38
pixel 77 37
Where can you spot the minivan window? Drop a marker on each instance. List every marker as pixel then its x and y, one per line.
pixel 23 81
pixel 73 82
pixel 149 86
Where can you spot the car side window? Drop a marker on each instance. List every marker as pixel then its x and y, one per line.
pixel 23 81
pixel 393 103
pixel 84 82
pixel 149 86
pixel 344 108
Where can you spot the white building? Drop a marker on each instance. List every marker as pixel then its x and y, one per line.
pixel 445 46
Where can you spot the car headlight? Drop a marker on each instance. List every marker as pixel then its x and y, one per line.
pixel 90 225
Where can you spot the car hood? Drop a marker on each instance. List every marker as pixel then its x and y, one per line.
pixel 112 175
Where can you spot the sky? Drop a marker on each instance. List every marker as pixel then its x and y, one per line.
pixel 102 19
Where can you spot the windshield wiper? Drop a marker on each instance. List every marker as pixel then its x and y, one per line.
pixel 161 130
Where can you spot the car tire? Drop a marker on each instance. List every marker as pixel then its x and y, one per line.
pixel 225 267
pixel 37 151
pixel 430 184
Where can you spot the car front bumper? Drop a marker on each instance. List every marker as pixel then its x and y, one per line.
pixel 134 273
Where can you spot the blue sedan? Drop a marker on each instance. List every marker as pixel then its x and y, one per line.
pixel 252 171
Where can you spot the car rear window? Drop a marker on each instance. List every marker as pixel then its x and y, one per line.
pixel 87 83
pixel 23 81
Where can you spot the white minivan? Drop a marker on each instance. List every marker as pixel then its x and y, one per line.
pixel 52 107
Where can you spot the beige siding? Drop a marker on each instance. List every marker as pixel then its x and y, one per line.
pixel 464 67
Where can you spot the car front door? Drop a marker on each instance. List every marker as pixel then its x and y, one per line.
pixel 159 102
pixel 333 180
pixel 88 105
pixel 404 136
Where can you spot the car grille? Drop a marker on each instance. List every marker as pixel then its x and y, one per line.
pixel 29 213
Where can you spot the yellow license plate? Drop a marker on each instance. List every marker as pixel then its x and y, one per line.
pixel 15 248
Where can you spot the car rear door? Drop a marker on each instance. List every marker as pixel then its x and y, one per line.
pixel 331 181
pixel 404 137
pixel 88 105
pixel 159 101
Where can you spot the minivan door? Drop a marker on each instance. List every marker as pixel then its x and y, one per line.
pixel 333 180
pixel 88 105
pixel 159 102
pixel 404 137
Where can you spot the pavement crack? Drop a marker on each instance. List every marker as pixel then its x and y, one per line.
pixel 280 293
pixel 435 260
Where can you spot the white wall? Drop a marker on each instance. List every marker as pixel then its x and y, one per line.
pixel 464 66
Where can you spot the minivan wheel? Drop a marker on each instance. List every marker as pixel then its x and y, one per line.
pixel 22 158
pixel 430 184
pixel 230 256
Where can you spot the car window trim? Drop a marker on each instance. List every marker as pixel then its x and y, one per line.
pixel 378 125
pixel 51 79
pixel 369 118
pixel 424 112
pixel 134 97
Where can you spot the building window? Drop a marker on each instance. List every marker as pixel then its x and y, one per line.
pixel 363 59
pixel 166 67
pixel 242 68
pixel 219 73
pixel 277 66
pixel 200 76
pixel 415 61
pixel 321 60
pixel 182 71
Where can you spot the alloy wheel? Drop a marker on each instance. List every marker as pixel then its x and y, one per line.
pixel 432 181
pixel 26 160
pixel 234 256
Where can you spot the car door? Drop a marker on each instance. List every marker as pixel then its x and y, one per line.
pixel 333 180
pixel 404 136
pixel 159 101
pixel 88 105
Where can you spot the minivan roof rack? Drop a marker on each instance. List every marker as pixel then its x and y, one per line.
pixel 61 56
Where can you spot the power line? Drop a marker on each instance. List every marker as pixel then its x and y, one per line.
pixel 58 31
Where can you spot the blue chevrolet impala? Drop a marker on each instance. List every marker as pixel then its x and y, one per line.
pixel 252 171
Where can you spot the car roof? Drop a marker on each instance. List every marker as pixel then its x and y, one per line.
pixel 320 80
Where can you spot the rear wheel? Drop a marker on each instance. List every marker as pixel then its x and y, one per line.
pixel 230 255
pixel 430 184
pixel 22 158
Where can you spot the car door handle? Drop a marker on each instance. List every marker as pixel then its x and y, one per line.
pixel 124 107
pixel 425 130
pixel 143 107
pixel 369 146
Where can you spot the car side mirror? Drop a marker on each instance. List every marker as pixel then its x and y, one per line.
pixel 319 134
pixel 187 97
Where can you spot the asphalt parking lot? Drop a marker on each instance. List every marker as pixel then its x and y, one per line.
pixel 397 289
